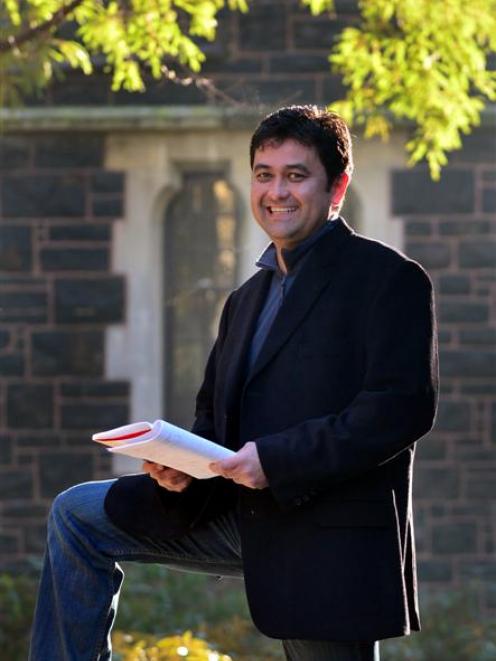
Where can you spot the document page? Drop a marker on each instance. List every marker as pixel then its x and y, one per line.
pixel 165 444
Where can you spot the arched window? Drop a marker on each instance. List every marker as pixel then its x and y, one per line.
pixel 200 269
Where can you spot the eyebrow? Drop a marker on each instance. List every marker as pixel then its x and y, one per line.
pixel 290 166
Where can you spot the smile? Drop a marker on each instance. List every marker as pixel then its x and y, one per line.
pixel 282 209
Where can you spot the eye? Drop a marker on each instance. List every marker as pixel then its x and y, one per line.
pixel 262 176
pixel 296 176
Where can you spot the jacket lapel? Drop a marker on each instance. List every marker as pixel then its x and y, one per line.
pixel 315 275
pixel 241 329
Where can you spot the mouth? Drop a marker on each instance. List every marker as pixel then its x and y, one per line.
pixel 281 210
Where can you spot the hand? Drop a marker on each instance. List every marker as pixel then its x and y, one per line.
pixel 243 468
pixel 169 478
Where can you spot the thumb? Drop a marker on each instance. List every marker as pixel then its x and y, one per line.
pixel 224 465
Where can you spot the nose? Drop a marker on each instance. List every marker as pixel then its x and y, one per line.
pixel 278 189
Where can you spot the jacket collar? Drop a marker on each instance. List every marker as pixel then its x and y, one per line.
pixel 316 273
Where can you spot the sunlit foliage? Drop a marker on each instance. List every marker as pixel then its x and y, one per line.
pixel 423 62
pixel 38 38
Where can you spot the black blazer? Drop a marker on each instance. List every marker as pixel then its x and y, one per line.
pixel 343 387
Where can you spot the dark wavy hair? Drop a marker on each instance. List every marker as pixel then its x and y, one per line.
pixel 314 127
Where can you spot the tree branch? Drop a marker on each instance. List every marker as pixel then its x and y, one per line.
pixel 13 42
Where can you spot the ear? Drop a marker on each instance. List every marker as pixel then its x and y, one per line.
pixel 338 189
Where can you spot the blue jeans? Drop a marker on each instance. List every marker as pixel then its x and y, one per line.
pixel 81 578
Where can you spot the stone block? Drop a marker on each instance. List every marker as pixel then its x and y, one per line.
pixel 263 28
pixel 224 64
pixel 431 483
pixel 74 259
pixel 60 470
pixel 478 336
pixel 29 406
pixel 290 63
pixel 16 483
pixel 477 147
pixel 89 301
pixel 43 196
pixel 14 152
pixel 4 339
pixel 431 571
pixel 98 390
pixel 77 353
pixel 68 150
pixel 466 452
pixel 464 228
pixel 489 176
pixel 478 254
pixel 454 284
pixel 317 33
pixel 35 538
pixel 24 509
pixel 453 416
pixel 5 449
pixel 418 228
pixel 95 417
pixel 489 200
pixel 454 538
pixel 444 336
pixel 483 388
pixel 107 207
pixel 37 440
pixel 493 423
pixel 163 92
pixel 480 364
pixel 23 307
pixel 275 92
pixel 464 312
pixel 12 364
pixel 431 449
pixel 414 192
pixel 107 182
pixel 80 232
pixel 332 89
pixel 479 570
pixel 9 543
pixel 80 90
pixel 432 254
pixel 15 248
pixel 481 483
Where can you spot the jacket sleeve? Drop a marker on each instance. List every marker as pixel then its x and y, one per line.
pixel 395 406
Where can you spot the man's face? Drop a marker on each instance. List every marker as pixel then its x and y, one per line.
pixel 289 192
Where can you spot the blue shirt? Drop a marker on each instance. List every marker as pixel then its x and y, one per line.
pixel 280 284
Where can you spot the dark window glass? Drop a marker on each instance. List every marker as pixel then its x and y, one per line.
pixel 201 234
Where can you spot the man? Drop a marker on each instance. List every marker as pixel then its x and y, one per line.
pixel 322 378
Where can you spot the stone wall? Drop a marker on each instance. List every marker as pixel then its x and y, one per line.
pixel 57 296
pixel 451 230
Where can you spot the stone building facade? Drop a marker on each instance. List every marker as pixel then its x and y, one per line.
pixel 88 179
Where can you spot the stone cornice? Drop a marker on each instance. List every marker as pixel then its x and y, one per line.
pixel 149 118
pixel 129 118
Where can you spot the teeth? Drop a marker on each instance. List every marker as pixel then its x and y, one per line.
pixel 282 209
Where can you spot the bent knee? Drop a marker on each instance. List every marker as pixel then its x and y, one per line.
pixel 80 501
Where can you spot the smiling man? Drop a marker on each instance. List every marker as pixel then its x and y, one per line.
pixel 322 378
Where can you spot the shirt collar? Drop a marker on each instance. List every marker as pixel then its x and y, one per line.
pixel 268 259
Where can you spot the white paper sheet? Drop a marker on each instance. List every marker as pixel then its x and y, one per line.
pixel 165 444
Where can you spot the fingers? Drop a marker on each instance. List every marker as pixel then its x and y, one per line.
pixel 169 478
pixel 243 468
